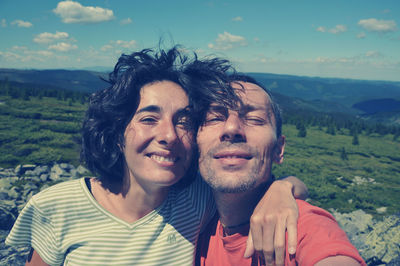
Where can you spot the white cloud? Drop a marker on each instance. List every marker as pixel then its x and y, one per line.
pixel 74 12
pixel 237 19
pixel 16 47
pixel 373 54
pixel 336 30
pixel 3 23
pixel 22 24
pixel 227 41
pixel 47 37
pixel 373 24
pixel 126 21
pixel 112 45
pixel 63 47
pixel 361 35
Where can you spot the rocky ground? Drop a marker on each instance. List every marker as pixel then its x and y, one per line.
pixel 377 241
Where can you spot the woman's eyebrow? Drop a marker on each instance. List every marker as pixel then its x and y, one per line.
pixel 149 108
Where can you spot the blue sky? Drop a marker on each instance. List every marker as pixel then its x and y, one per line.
pixel 357 39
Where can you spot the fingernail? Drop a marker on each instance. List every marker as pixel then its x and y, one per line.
pixel 292 250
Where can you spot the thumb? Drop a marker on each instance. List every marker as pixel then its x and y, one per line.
pixel 249 247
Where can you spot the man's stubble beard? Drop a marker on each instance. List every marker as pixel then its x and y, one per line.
pixel 247 181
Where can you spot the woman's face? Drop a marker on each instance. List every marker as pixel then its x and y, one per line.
pixel 159 138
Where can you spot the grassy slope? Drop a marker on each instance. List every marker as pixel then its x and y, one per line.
pixel 39 131
pixel 316 159
pixel 47 130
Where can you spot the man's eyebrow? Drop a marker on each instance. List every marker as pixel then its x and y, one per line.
pixel 149 108
pixel 246 108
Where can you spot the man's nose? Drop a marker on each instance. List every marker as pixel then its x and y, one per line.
pixel 233 130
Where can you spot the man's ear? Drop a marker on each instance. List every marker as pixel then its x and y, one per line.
pixel 279 150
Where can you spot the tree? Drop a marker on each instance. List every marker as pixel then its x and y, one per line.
pixel 343 154
pixel 302 133
pixel 355 139
pixel 331 129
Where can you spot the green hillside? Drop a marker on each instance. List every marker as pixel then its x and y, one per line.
pixel 343 169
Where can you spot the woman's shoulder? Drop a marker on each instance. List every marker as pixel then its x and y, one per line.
pixel 69 190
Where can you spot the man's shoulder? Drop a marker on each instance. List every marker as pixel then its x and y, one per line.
pixel 306 209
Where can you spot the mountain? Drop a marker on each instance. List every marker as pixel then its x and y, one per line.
pixel 77 80
pixel 326 95
pixel 346 92
pixel 378 105
pixel 375 101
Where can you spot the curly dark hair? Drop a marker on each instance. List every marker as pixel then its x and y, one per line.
pixel 110 110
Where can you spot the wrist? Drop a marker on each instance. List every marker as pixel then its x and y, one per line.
pixel 283 184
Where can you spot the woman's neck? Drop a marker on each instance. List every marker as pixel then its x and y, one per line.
pixel 129 201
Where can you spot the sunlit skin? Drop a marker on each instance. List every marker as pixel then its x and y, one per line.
pixel 158 141
pixel 157 150
pixel 237 148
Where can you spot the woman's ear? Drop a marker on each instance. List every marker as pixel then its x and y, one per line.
pixel 279 150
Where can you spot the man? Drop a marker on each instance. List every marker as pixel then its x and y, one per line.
pixel 238 144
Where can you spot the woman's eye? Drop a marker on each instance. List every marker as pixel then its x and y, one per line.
pixel 148 120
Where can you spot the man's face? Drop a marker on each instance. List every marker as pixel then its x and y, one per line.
pixel 237 147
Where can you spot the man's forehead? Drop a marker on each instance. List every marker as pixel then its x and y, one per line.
pixel 251 94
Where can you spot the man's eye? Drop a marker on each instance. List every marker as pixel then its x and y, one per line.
pixel 215 118
pixel 255 120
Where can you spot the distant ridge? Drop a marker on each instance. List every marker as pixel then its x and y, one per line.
pixel 309 94
pixel 77 80
pixel 378 105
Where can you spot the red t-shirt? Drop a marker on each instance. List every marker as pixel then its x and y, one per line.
pixel 318 237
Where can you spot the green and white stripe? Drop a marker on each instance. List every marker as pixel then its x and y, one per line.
pixel 66 225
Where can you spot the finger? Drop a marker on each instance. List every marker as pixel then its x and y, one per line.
pixel 268 242
pixel 279 242
pixel 249 247
pixel 256 232
pixel 292 233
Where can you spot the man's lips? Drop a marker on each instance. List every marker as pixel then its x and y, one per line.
pixel 235 154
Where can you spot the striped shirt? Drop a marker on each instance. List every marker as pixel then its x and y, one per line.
pixel 66 225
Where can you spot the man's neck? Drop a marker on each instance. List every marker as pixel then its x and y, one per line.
pixel 235 209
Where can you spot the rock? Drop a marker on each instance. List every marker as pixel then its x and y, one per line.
pixel 384 240
pixel 82 170
pixel 21 169
pixel 6 172
pixel 6 182
pixel 8 214
pixel 377 241
pixel 355 222
pixel 381 210
pixel 44 177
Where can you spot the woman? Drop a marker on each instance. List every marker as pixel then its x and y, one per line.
pixel 138 138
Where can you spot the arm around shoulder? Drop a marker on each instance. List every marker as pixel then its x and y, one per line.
pixel 34 259
pixel 338 260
